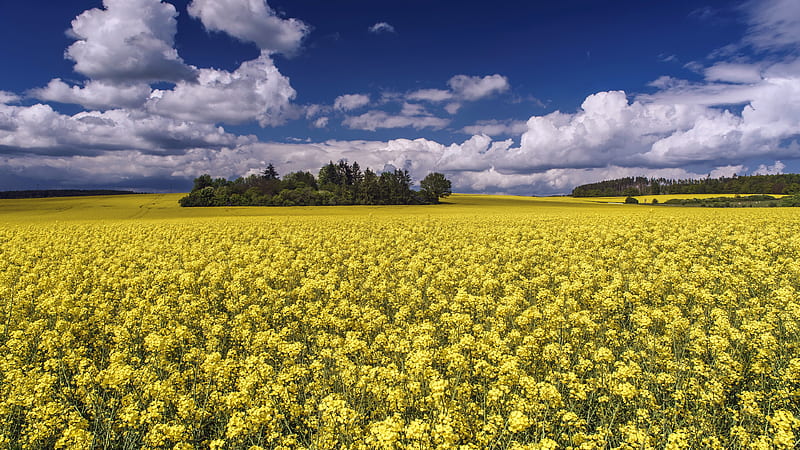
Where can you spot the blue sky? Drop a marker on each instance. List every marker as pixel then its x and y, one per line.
pixel 509 97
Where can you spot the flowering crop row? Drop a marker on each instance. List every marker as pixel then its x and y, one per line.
pixel 577 329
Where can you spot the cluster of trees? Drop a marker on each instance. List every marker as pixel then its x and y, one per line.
pixel 336 184
pixel 631 186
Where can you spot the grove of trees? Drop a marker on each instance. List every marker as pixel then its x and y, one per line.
pixel 336 184
pixel 631 186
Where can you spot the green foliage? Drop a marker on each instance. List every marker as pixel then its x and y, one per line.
pixel 299 180
pixel 631 201
pixel 631 191
pixel 793 200
pixel 337 184
pixel 270 173
pixel 435 186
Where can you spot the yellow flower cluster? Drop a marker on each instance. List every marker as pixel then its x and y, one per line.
pixel 582 328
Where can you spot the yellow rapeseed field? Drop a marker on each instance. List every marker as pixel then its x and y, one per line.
pixel 484 323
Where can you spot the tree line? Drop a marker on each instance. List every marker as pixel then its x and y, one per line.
pixel 49 193
pixel 632 186
pixel 336 184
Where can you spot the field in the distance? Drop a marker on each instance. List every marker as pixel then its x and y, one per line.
pixel 487 322
pixel 165 206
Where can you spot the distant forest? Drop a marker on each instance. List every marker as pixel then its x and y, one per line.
pixel 336 184
pixel 755 184
pixel 46 193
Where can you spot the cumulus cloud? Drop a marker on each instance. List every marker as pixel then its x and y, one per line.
pixel 128 41
pixel 660 131
pixel 251 21
pixel 727 171
pixel 775 169
pixel 129 44
pixel 321 122
pixel 256 91
pixel 381 27
pixel 95 94
pixel 350 102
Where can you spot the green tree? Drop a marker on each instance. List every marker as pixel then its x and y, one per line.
pixel 202 181
pixel 435 186
pixel 328 177
pixel 270 173
pixel 298 180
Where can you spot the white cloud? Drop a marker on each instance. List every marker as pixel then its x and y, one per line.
pixel 430 95
pixel 452 108
pixel 733 73
pixel 773 24
pixel 321 122
pixel 315 110
pixel 95 94
pixel 350 102
pixel 251 21
pixel 727 171
pixel 475 88
pixel 674 91
pixel 128 41
pixel 414 109
pixel 256 91
pixel 372 120
pixel 40 129
pixel 497 127
pixel 381 27
pixel 668 129
pixel 8 97
pixel 7 122
pixel 775 169
pixel 463 88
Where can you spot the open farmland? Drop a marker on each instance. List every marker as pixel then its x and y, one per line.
pixel 488 322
